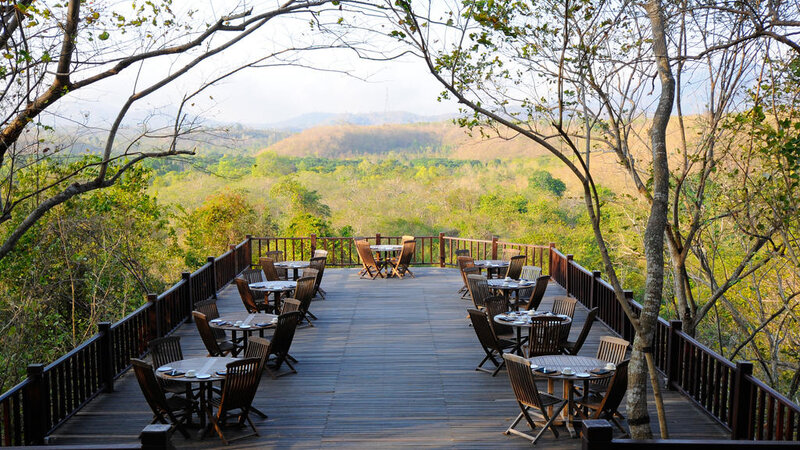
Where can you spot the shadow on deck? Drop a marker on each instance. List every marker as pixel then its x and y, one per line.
pixel 389 363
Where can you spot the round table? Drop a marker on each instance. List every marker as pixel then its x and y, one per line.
pixel 580 365
pixel 257 322
pixel 522 319
pixel 491 265
pixel 507 287
pixel 293 265
pixel 208 366
pixel 276 288
pixel 383 262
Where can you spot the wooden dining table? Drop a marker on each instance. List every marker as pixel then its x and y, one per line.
pixel 276 288
pixel 251 321
pixel 387 250
pixel 294 266
pixel 585 369
pixel 208 370
pixel 492 266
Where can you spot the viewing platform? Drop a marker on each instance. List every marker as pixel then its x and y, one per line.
pixel 389 363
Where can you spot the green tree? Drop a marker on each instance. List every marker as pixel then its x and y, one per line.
pixel 544 181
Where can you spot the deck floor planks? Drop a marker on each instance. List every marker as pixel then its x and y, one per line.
pixel 390 363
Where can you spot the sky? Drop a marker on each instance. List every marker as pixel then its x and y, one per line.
pixel 268 95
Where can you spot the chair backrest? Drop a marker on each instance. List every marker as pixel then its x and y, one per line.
pixel 241 383
pixel 497 305
pixel 252 275
pixel 268 266
pixel 257 347
pixel 531 272
pixel 407 237
pixel 209 340
pixel 616 391
pixel 545 337
pixel 276 255
pixel 290 305
pixel 523 383
pixel 165 350
pixel 465 262
pixel 246 294
pixel 151 389
pixel 564 305
pixel 478 289
pixel 318 264
pixel 320 253
pixel 364 252
pixel 284 334
pixel 538 293
pixel 407 253
pixel 305 289
pixel 587 326
pixel 515 267
pixel 480 323
pixel 508 253
pixel 209 308
pixel 612 349
pixel 463 252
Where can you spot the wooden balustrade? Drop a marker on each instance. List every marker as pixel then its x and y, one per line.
pixel 35 407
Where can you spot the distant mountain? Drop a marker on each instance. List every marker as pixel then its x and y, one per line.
pixel 441 138
pixel 315 119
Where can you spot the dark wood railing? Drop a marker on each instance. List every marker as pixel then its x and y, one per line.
pixel 728 392
pixel 51 394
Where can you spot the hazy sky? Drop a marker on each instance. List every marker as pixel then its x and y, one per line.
pixel 273 94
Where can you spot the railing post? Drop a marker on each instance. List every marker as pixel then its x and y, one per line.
pixel 742 394
pixel 596 434
pixel 673 353
pixel 567 270
pixel 35 404
pixel 106 359
pixel 441 250
pixel 156 436
pixel 248 253
pixel 550 260
pixel 188 301
pixel 213 262
pixel 155 313
pixel 377 239
pixel 494 247
pixel 594 289
pixel 313 244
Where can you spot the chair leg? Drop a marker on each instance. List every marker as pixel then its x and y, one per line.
pixel 502 364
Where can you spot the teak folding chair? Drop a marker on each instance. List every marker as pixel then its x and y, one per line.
pixel 508 253
pixel 305 292
pixel 573 347
pixel 318 263
pixel 607 406
pixel 498 305
pixel 478 290
pixel 214 347
pixel 238 391
pixel 281 342
pixel 175 410
pixel 611 349
pixel 528 273
pixel 290 305
pixel 164 351
pixel 248 299
pixel 564 305
pixel 463 252
pixel 528 396
pixel 400 265
pixel 368 261
pixel 545 337
pixel 538 293
pixel 277 256
pixel 268 266
pixel 209 308
pixel 492 346
pixel 464 262
pixel 252 275
pixel 515 267
pixel 320 253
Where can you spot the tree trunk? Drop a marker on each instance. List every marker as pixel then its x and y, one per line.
pixel 638 419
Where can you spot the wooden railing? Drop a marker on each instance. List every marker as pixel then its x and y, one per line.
pixel 430 250
pixel 728 392
pixel 51 394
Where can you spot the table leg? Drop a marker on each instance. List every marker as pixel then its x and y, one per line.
pixel 518 348
pixel 570 409
pixel 294 273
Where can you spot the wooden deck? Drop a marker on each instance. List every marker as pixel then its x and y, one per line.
pixel 389 363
